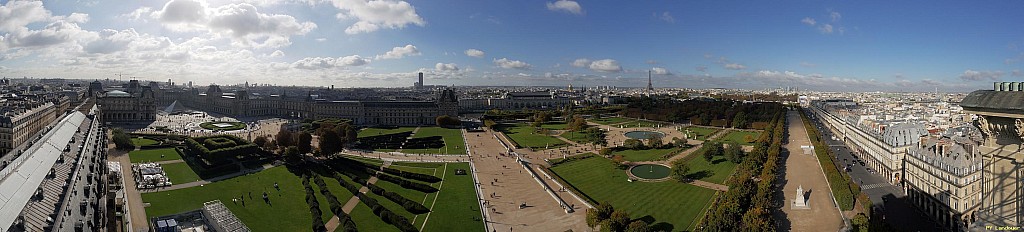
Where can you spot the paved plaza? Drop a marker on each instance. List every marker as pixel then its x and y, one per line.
pixel 515 186
pixel 804 170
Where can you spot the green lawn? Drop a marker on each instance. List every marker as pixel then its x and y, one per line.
pixel 153 155
pixel 739 137
pixel 700 133
pixel 456 208
pixel 716 171
pixel 452 140
pixel 672 206
pixel 554 125
pixel 144 142
pixel 574 136
pixel 609 121
pixel 378 131
pixel 524 136
pixel 639 123
pixel 180 173
pixel 288 203
pixel 644 155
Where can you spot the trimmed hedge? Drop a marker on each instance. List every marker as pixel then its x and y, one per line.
pixel 409 205
pixel 407 184
pixel 413 175
pixel 314 206
pixel 336 207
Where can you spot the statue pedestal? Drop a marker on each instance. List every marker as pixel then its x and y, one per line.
pixel 800 202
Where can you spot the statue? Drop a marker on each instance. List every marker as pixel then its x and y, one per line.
pixel 800 202
pixel 1019 123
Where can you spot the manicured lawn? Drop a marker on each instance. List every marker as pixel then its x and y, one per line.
pixel 180 173
pixel 153 155
pixel 639 123
pixel 716 171
pixel 673 206
pixel 452 140
pixel 554 125
pixel 609 121
pixel 574 136
pixel 644 155
pixel 524 136
pixel 700 133
pixel 288 211
pixel 144 142
pixel 739 137
pixel 378 131
pixel 456 208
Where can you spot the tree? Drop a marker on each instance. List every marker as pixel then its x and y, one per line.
pixel 260 141
pixel 638 226
pixel 708 155
pixel 619 220
pixel 592 219
pixel 654 141
pixel 490 124
pixel 739 120
pixel 734 153
pixel 679 142
pixel 122 140
pixel 577 123
pixel 284 137
pixel 633 144
pixel 330 140
pixel 861 222
pixel 304 142
pixel 680 170
pixel 445 120
pixel 604 211
pixel 291 151
pixel 605 151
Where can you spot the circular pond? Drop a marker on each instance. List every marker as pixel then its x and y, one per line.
pixel 644 134
pixel 650 171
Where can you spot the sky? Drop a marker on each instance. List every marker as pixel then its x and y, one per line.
pixel 948 46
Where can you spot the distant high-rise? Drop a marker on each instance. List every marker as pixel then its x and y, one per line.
pixel 650 87
pixel 419 84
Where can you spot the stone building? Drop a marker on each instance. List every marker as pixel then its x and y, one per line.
pixel 943 176
pixel 137 104
pixel 1000 117
pixel 242 103
pixel 880 144
pixel 22 120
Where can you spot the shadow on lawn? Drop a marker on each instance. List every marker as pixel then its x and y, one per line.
pixel 661 226
pixel 699 175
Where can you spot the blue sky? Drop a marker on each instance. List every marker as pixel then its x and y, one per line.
pixel 829 45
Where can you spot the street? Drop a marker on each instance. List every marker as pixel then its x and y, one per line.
pixel 889 201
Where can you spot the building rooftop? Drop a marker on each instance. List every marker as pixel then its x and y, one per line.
pixel 117 93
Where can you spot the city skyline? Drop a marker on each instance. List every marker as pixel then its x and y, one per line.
pixel 951 47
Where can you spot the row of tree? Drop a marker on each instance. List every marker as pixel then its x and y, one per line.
pixel 843 188
pixel 747 205
pixel 336 207
pixel 701 111
pixel 314 206
pixel 121 140
pixel 611 219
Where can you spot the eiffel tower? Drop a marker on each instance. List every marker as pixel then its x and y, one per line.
pixel 649 86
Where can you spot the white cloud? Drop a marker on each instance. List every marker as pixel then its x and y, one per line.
pixel 399 52
pixel 313 63
pixel 450 67
pixel 825 28
pixel 734 66
pixel 321 39
pixel 566 5
pixel 605 65
pixel 702 69
pixel 372 15
pixel 474 53
pixel 808 64
pixel 1016 73
pixel 972 75
pixel 835 16
pixel 809 21
pixel 138 14
pixel 511 64
pixel 660 71
pixel 182 11
pixel 277 53
pixel 667 17
pixel 581 62
pixel 111 41
pixel 17 14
